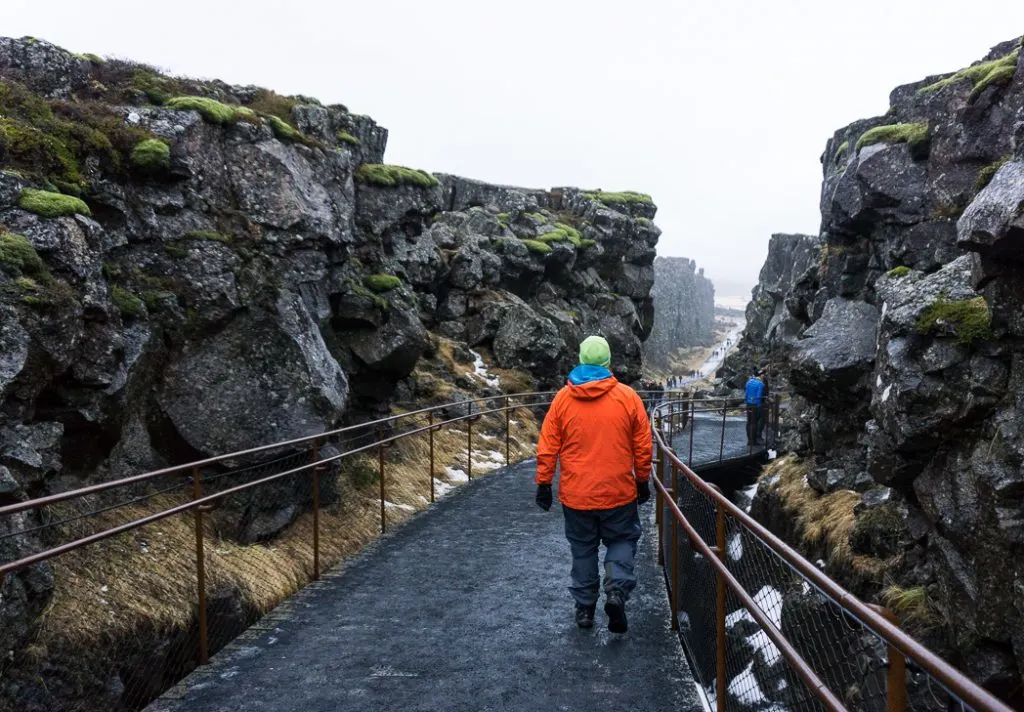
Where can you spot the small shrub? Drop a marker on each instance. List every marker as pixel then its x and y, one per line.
pixel 211 110
pixel 17 255
pixel 986 174
pixel 613 198
pixel 387 175
pixel 346 137
pixel 901 271
pixel 126 302
pixel 382 282
pixel 270 103
pixel 151 155
pixel 911 134
pixel 207 235
pixel 361 473
pixel 970 318
pixel 282 129
pixel 51 205
pixel 540 248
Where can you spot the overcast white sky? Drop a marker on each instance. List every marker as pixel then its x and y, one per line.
pixel 719 110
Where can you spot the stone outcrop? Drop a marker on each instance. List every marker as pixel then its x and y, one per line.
pixel 210 267
pixel 684 310
pixel 902 346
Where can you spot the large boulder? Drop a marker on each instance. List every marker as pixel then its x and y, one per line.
pixel 837 351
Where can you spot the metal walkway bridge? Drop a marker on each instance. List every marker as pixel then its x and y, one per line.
pixel 463 607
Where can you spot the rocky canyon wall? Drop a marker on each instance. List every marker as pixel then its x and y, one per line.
pixel 190 267
pixel 899 332
pixel 684 310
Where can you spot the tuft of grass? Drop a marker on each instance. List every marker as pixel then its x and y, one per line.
pixel 207 235
pixel 537 247
pixel 382 282
pixel 387 175
pixel 90 57
pixel 823 521
pixel 18 256
pixel 986 174
pixel 270 103
pixel 51 205
pixel 624 197
pixel 346 137
pixel 282 129
pixel 211 110
pixel 980 75
pixel 900 271
pixel 911 134
pixel 970 319
pixel 126 302
pixel 909 604
pixel 151 155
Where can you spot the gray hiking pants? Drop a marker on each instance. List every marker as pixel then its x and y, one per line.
pixel 619 529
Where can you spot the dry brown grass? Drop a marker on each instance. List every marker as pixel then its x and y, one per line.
pixel 145 580
pixel 823 522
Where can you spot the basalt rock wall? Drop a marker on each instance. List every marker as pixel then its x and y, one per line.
pixel 190 267
pixel 901 342
pixel 684 309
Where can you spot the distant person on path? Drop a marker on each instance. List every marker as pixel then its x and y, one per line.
pixel 754 398
pixel 597 429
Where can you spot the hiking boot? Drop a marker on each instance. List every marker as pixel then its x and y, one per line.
pixel 615 608
pixel 585 615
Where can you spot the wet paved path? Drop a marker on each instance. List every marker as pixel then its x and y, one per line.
pixel 466 607
pixel 708 445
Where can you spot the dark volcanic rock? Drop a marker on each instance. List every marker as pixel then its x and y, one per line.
pixel 684 309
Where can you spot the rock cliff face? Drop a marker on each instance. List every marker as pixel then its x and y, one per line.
pixel 902 344
pixel 684 309
pixel 189 267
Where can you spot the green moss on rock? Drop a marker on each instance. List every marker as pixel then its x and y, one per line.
pixel 51 205
pixel 207 235
pixel 986 174
pixel 18 256
pixel 587 244
pixel 151 155
pixel 969 318
pixel 388 175
pixel 980 75
pixel 901 271
pixel 382 282
pixel 126 302
pixel 346 137
pixel 282 129
pixel 624 197
pixel 912 134
pixel 211 110
pixel 537 247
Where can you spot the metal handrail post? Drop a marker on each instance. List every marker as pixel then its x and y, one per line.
pixel 316 511
pixel 204 644
pixel 380 475
pixel 430 433
pixel 674 551
pixel 693 426
pixel 508 430
pixel 721 446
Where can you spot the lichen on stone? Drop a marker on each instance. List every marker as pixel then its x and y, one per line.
pixel 537 247
pixel 986 174
pixel 900 271
pixel 126 302
pixel 211 110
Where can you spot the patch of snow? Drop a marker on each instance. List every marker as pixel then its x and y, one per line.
pixel 441 488
pixel 744 687
pixel 403 507
pixel 878 381
pixel 770 601
pixel 388 671
pixel 738 616
pixel 886 392
pixel 480 370
pixel 761 643
pixel 456 475
pixel 735 547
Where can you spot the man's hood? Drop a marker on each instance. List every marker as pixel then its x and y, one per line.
pixel 590 382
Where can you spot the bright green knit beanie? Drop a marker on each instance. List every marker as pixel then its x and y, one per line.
pixel 594 351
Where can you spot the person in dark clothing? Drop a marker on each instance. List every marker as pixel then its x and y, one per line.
pixel 754 398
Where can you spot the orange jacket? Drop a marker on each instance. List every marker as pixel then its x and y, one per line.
pixel 600 433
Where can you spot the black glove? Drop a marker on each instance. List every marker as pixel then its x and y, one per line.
pixel 544 497
pixel 643 492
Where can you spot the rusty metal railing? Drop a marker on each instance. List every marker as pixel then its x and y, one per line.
pixel 765 629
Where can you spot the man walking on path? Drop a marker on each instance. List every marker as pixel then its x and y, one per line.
pixel 754 400
pixel 598 430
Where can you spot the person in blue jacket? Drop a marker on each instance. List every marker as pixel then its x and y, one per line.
pixel 755 404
